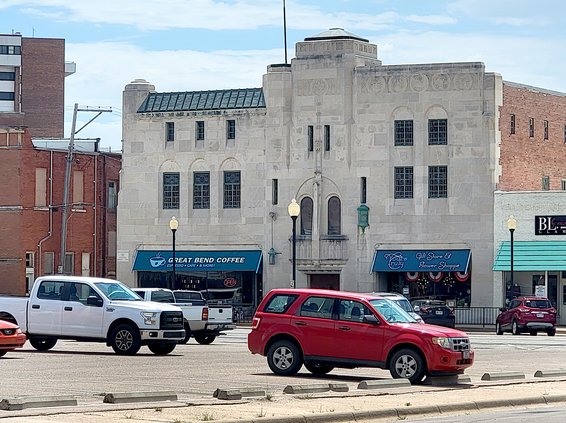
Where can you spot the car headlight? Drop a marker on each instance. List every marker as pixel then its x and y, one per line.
pixel 442 342
pixel 149 317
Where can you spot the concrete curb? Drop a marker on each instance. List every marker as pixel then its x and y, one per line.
pixel 21 403
pixel 407 412
pixel 126 397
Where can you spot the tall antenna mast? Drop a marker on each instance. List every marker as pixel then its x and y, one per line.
pixel 285 30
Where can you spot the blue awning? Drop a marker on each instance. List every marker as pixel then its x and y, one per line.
pixel 227 261
pixel 421 261
pixel 531 256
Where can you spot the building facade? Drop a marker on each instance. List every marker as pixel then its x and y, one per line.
pixel 394 168
pixel 32 77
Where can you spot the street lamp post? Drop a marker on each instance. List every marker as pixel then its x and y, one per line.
pixel 294 211
pixel 512 225
pixel 173 225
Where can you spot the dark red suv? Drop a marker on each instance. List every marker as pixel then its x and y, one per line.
pixel 527 314
pixel 324 329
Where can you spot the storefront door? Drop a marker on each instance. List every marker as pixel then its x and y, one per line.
pixel 324 281
pixel 561 303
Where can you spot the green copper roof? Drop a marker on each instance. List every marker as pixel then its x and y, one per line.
pixel 203 100
pixel 530 256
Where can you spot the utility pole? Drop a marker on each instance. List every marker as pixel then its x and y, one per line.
pixel 69 162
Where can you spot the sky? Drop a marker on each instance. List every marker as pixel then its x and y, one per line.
pixel 191 45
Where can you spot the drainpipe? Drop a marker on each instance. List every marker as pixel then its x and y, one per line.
pixel 50 232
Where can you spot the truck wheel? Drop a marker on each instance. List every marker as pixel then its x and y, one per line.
pixel 407 364
pixel 162 348
pixel 42 343
pixel 125 340
pixel 284 358
pixel 187 334
pixel 204 339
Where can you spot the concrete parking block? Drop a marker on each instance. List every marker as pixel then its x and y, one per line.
pixel 21 403
pixel 306 389
pixel 384 384
pixel 551 373
pixel 339 387
pixel 502 376
pixel 448 380
pixel 238 393
pixel 126 397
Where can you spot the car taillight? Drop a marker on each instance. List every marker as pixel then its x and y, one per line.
pixel 552 311
pixel 523 310
pixel 255 322
pixel 204 313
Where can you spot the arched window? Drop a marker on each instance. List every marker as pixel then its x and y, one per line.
pixel 306 216
pixel 334 216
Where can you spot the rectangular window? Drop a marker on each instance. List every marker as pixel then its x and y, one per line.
pixel 171 190
pixel 310 140
pixel 274 191
pixel 201 190
pixel 531 127
pixel 437 182
pixel 199 128
pixel 326 137
pixel 403 132
pixel 170 131
pixel 437 132
pixel 40 187
pixel 232 190
pixel 512 124
pixel 7 76
pixel 29 260
pixel 112 196
pixel 49 263
pixel 230 129
pixel 545 129
pixel 545 183
pixel 12 50
pixel 363 190
pixel 78 189
pixel 403 182
pixel 7 96
pixel 563 184
pixel 69 264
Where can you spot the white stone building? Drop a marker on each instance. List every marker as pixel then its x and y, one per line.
pixel 394 167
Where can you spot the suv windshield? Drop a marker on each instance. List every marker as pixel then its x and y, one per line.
pixel 391 311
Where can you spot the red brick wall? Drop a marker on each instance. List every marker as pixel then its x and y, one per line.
pixel 28 228
pixel 526 160
pixel 43 86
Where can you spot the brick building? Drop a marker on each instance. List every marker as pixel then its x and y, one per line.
pixel 32 74
pixel 533 139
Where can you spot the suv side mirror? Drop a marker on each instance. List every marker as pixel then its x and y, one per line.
pixel 503 309
pixel 93 300
pixel 370 318
pixel 416 308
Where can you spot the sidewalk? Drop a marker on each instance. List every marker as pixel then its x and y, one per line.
pixel 354 406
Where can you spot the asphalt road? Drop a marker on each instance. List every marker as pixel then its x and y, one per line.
pixel 194 371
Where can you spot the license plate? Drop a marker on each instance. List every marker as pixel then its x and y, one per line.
pixel 439 312
pixel 465 355
pixel 540 315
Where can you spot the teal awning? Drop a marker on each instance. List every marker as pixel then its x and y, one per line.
pixel 531 256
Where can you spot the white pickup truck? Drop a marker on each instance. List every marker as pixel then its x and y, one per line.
pixel 93 309
pixel 199 323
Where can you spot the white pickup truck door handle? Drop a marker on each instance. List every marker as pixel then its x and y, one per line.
pixel 35 306
pixel 68 308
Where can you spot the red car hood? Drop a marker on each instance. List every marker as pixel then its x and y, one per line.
pixel 7 325
pixel 434 330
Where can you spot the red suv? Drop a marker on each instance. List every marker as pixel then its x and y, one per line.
pixel 324 329
pixel 527 314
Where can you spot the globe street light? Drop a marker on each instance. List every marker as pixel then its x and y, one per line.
pixel 512 225
pixel 173 225
pixel 294 211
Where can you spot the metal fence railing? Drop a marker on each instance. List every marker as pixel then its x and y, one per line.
pixel 479 316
